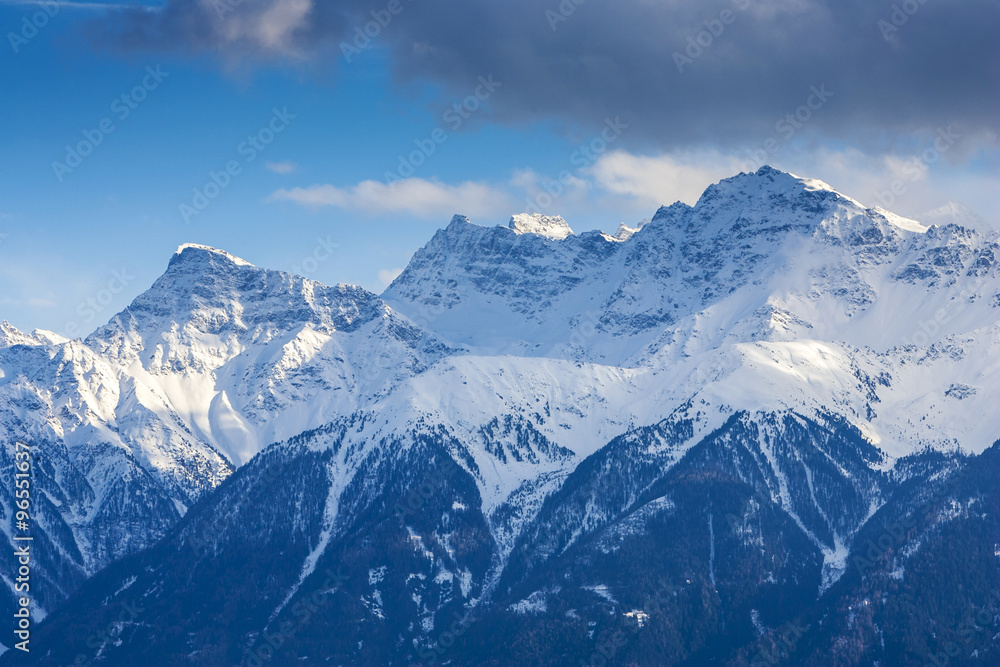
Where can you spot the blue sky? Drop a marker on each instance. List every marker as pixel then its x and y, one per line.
pixel 79 241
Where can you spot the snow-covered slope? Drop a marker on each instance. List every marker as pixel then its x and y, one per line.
pixel 773 291
pixel 215 361
pixel 959 214
pixel 248 356
pixel 109 476
pixel 774 311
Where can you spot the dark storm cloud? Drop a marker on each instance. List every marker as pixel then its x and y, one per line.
pixel 892 67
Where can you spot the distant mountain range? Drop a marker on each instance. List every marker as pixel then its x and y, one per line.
pixel 759 430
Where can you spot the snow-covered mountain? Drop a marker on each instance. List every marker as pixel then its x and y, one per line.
pixel 773 291
pixel 762 376
pixel 247 356
pixel 215 361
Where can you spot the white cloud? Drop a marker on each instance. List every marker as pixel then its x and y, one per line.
pixel 81 5
pixel 285 167
pixel 386 276
pixel 644 181
pixel 623 186
pixel 661 179
pixel 869 178
pixel 550 195
pixel 276 26
pixel 270 25
pixel 413 196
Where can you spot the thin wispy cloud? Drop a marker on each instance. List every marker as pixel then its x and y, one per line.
pixel 386 276
pixel 286 167
pixel 414 196
pixel 634 184
pixel 662 179
pixel 67 4
pixel 259 29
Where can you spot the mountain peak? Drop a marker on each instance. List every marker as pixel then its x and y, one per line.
pixel 549 226
pixel 770 179
pixel 624 232
pixel 957 213
pixel 198 250
pixel 675 210
pixel 11 335
pixel 768 199
pixel 50 337
pixel 770 172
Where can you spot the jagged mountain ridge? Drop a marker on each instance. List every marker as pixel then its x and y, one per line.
pixel 524 352
pixel 768 275
pixel 134 424
pixel 382 555
pixel 272 354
